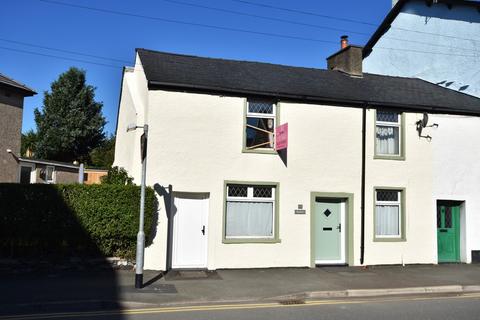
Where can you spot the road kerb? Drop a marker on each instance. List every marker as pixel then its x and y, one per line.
pixel 392 291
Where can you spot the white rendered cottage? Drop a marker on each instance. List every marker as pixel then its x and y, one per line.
pixel 353 187
pixel 439 41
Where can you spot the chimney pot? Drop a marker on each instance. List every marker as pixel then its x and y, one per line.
pixel 343 42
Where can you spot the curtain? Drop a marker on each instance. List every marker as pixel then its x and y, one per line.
pixel 249 219
pixel 388 140
pixel 387 220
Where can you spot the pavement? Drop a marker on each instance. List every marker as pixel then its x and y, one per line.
pixel 61 290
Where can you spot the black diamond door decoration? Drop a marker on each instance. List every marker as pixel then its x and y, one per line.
pixel 327 213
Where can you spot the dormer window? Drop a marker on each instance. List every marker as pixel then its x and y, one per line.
pixel 260 126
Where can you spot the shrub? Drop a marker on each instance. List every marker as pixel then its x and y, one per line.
pixel 118 176
pixel 72 220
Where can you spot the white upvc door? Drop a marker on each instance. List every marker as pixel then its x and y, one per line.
pixel 190 232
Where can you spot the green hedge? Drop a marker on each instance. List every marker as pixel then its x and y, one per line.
pixel 71 220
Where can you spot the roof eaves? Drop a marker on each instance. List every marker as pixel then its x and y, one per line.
pixel 49 162
pixel 313 99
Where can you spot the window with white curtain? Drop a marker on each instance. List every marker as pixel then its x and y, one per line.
pixel 250 211
pixel 388 213
pixel 388 133
pixel 260 125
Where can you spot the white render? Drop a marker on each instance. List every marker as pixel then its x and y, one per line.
pixel 195 144
pixel 452 61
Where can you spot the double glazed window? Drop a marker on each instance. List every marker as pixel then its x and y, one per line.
pixel 250 211
pixel 260 125
pixel 388 134
pixel 388 214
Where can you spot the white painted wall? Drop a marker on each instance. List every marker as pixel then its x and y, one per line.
pixel 415 175
pixel 452 61
pixel 195 144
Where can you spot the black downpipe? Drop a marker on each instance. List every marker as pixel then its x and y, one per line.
pixel 362 207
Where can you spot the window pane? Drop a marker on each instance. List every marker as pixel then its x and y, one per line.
pixel 249 219
pixel 25 174
pixel 388 140
pixel 235 190
pixel 387 116
pixel 260 138
pixel 262 192
pixel 387 218
pixel 448 217
pixel 439 217
pixel 387 195
pixel 260 107
pixel 49 174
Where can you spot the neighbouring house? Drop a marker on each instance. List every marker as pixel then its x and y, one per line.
pixel 12 94
pixel 93 176
pixel 439 41
pixel 47 171
pixel 352 183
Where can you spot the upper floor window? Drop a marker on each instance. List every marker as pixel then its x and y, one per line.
pixel 388 134
pixel 260 125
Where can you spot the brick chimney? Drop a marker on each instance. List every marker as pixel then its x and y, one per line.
pixel 349 59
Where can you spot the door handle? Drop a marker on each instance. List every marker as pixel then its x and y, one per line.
pixel 339 227
pixel 203 230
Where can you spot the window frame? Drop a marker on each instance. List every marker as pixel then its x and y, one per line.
pixel 401 136
pixel 401 219
pixel 33 172
pixel 275 116
pixel 53 175
pixel 275 223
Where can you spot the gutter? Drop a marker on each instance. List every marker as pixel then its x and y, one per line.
pixel 50 163
pixel 179 87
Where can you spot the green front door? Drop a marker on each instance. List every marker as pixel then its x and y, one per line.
pixel 448 232
pixel 328 231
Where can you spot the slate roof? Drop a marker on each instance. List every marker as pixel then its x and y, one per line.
pixel 182 72
pixel 6 81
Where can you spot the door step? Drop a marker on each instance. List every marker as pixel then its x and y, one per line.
pixel 174 275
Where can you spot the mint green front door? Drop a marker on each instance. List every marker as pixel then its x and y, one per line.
pixel 448 232
pixel 327 231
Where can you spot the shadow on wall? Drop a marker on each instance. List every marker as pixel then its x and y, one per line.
pixel 48 262
pixel 170 210
pixel 443 11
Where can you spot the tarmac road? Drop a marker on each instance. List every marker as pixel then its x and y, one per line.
pixel 457 307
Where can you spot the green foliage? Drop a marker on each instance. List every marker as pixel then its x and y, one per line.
pixel 71 220
pixel 70 124
pixel 102 156
pixel 118 176
pixel 29 142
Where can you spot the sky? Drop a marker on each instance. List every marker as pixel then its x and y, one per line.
pixel 101 42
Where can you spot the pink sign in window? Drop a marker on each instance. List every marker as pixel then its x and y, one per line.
pixel 281 137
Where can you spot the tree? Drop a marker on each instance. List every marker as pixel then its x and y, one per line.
pixel 70 124
pixel 102 156
pixel 118 176
pixel 28 142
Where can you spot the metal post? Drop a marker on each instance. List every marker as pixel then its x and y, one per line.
pixel 141 233
pixel 81 173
